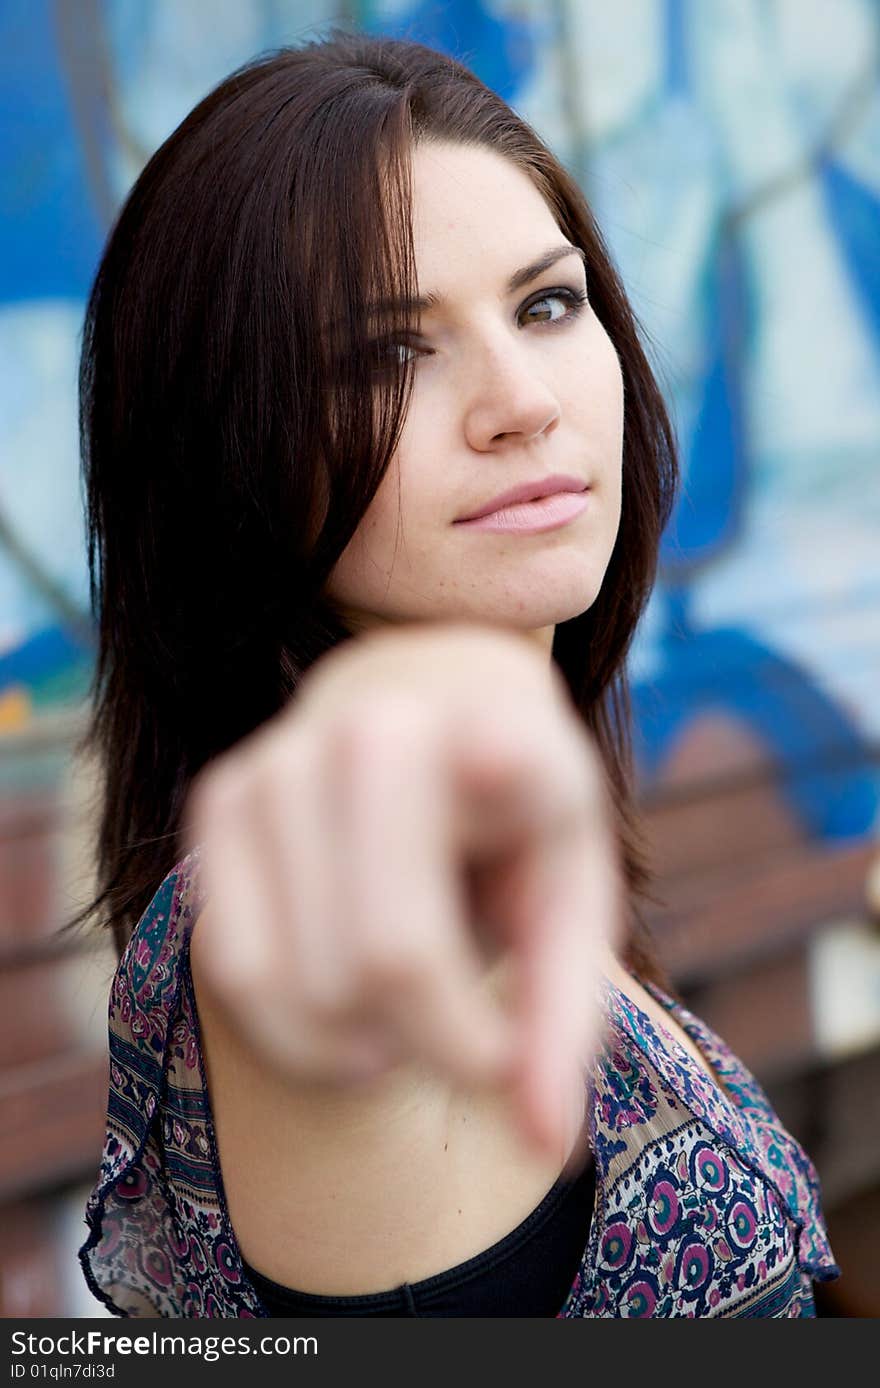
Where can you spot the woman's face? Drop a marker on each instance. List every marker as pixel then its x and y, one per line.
pixel 511 386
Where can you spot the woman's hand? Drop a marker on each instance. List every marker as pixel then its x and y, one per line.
pixel 428 804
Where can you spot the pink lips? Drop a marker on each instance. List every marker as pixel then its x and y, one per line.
pixel 531 517
pixel 532 507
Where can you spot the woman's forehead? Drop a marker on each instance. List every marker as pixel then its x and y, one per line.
pixel 475 212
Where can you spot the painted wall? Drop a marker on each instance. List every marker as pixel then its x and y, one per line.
pixel 731 150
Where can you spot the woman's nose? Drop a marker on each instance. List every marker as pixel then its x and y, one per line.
pixel 507 399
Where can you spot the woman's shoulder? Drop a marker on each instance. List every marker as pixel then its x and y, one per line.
pixel 146 983
pixel 706 1205
pixel 143 1012
pixel 167 920
pixel 158 1234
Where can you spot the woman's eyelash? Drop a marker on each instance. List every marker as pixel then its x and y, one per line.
pixel 575 298
pixel 388 351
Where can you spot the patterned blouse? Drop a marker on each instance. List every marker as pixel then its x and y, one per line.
pixel 705 1205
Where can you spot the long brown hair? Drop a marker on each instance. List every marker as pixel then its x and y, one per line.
pixel 232 438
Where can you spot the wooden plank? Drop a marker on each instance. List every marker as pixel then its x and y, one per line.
pixel 764 1014
pixel 715 923
pixel 834 1110
pixel 30 1280
pixel 52 1120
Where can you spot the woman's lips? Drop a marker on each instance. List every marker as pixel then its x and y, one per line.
pixel 531 517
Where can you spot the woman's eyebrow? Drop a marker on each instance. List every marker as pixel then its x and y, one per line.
pixel 425 302
pixel 530 272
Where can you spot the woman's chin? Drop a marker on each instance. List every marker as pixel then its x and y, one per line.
pixel 531 617
pixel 529 614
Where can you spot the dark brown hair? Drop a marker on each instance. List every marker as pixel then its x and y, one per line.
pixel 233 437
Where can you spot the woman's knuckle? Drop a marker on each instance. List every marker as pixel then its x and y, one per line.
pixel 248 975
pixel 218 790
pixel 278 793
pixel 382 720
pixel 322 1008
pixel 385 966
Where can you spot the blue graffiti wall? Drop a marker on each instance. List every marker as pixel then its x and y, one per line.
pixel 731 151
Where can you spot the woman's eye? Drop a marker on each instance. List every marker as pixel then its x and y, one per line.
pixel 389 353
pixel 554 306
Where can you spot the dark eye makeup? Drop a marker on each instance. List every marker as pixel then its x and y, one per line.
pixel 575 298
pixel 389 352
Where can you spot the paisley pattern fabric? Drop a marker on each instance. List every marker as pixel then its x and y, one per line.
pixel 705 1205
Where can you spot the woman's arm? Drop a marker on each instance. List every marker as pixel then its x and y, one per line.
pixel 428 815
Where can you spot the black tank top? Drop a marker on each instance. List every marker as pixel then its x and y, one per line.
pixel 527 1273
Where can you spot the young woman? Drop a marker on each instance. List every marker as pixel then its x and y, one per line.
pixel 376 471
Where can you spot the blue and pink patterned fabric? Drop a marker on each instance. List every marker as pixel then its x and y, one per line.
pixel 705 1205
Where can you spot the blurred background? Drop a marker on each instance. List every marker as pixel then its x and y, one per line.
pixel 731 150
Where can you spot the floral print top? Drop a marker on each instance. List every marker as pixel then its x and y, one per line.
pixel 705 1205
